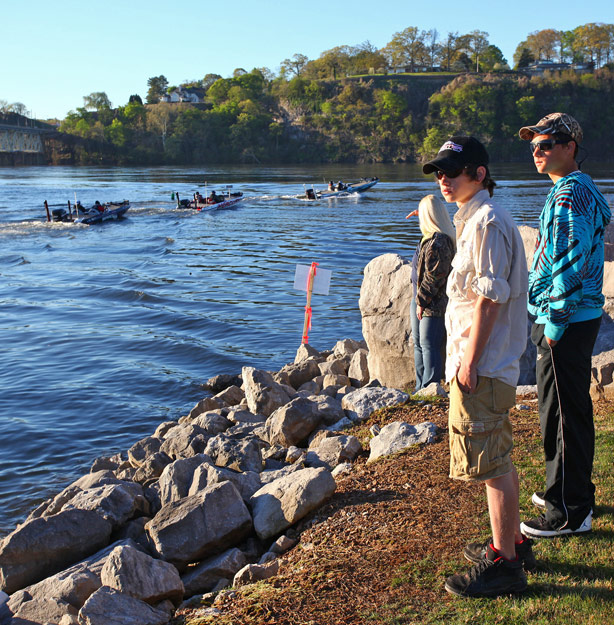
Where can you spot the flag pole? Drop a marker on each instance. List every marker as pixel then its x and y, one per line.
pixel 307 324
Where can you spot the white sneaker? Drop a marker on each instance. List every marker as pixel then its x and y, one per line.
pixel 538 499
pixel 541 528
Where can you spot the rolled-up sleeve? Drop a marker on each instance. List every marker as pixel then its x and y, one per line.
pixel 492 261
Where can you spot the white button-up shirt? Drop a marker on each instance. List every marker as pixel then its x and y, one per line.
pixel 489 261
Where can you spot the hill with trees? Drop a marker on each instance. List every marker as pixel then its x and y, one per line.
pixel 356 103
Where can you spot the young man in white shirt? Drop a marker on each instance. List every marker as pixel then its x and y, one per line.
pixel 486 323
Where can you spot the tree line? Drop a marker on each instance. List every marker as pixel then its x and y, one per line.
pixel 343 107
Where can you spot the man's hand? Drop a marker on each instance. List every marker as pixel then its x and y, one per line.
pixel 551 342
pixel 467 378
pixel 412 214
pixel 419 310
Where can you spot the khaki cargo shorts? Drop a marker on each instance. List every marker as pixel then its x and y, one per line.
pixel 480 430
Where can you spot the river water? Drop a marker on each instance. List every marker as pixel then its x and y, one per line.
pixel 107 330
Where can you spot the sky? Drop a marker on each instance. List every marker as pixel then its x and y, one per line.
pixel 54 53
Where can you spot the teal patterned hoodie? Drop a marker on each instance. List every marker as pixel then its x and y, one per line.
pixel 566 277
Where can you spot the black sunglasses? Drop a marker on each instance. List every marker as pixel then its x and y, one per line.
pixel 546 145
pixel 439 174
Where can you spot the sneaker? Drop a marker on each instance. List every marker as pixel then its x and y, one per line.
pixel 474 552
pixel 490 577
pixel 538 499
pixel 541 528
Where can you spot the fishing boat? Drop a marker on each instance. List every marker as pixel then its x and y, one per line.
pixel 340 189
pixel 213 201
pixel 97 213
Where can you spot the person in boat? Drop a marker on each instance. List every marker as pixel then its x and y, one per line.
pixel 331 185
pixel 341 186
pixel 199 198
pixel 98 206
pixel 214 198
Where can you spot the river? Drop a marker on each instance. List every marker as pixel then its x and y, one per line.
pixel 107 330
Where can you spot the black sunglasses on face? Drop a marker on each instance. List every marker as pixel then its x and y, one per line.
pixel 546 145
pixel 439 174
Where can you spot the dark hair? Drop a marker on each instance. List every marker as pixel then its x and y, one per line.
pixel 488 183
pixel 562 136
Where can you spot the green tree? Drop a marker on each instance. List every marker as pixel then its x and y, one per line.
pixel 492 60
pixel 523 56
pixel 295 65
pixel 544 44
pixel 96 101
pixel 406 47
pixel 157 88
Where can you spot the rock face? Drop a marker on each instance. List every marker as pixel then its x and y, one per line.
pixel 47 545
pixel 262 393
pixel 197 526
pixel 362 403
pixel 203 577
pixel 292 423
pixel 385 298
pixel 281 503
pixel 110 607
pixel 398 436
pixel 139 575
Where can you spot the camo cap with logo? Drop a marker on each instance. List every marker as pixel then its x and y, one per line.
pixel 551 124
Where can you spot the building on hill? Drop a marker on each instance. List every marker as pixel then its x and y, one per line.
pixel 184 94
pixel 539 67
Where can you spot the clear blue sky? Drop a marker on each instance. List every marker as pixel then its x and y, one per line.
pixel 54 53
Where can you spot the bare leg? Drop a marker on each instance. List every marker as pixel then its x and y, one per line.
pixel 502 495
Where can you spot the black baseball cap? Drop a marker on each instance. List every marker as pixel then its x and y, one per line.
pixel 456 153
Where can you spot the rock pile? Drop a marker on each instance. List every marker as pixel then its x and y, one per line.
pixel 205 502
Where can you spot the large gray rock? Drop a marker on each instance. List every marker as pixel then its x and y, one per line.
pixel 360 404
pixel 336 366
pixel 301 372
pixel 285 501
pixel 117 503
pixel 90 480
pixel 212 423
pixel 143 449
pixel 108 606
pixel 185 441
pixel 385 298
pixel 41 612
pixel 359 367
pixel 346 348
pixel 398 436
pixel 332 451
pixel 204 405
pixel 231 396
pixel 72 586
pixel 246 482
pixel 176 479
pixel 204 576
pixel 238 454
pixel 200 525
pixel 137 574
pixel 292 423
pixel 306 351
pixel 263 394
pixel 44 546
pixel 330 408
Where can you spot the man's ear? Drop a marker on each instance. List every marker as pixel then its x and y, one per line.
pixel 481 173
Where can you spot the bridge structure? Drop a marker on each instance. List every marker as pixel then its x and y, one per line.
pixel 21 139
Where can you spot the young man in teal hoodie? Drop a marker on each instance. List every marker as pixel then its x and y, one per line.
pixel 565 296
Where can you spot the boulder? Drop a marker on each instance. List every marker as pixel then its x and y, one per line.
pixel 329 408
pixel 185 441
pixel 268 476
pixel 332 451
pixel 385 298
pixel 205 576
pixel 252 573
pixel 311 388
pixel 360 404
pixel 218 383
pixel 152 467
pixel 333 367
pixel 204 405
pixel 41 612
pixel 164 428
pixel 116 503
pixel 280 504
pixel 359 367
pixel 108 606
pixel 142 449
pixel 398 436
pixel 238 454
pixel 292 423
pixel 246 482
pixel 44 546
pixel 177 478
pixel 200 525
pixel 231 396
pixel 434 389
pixel 137 574
pixel 346 348
pixel 336 381
pixel 306 351
pixel 301 372
pixel 529 240
pixel 212 423
pixel 262 393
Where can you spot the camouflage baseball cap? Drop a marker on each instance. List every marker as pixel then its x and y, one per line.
pixel 551 124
